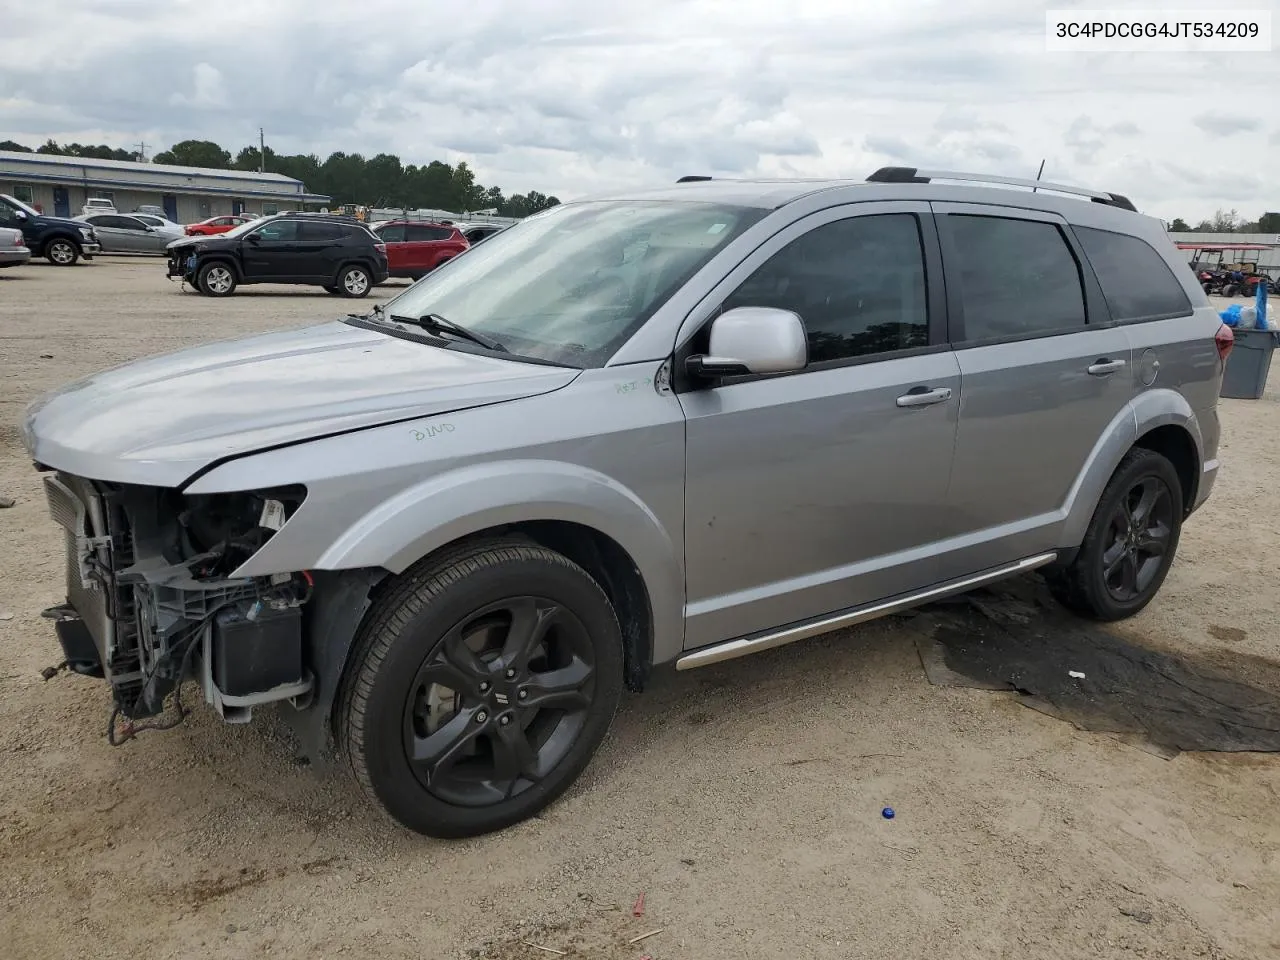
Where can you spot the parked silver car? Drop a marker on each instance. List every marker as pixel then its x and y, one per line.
pixel 130 233
pixel 14 251
pixel 671 426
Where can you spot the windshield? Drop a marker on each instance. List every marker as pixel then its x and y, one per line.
pixel 30 211
pixel 570 285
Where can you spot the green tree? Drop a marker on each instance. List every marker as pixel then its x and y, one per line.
pixel 196 153
pixel 14 147
pixel 1269 223
pixel 1179 226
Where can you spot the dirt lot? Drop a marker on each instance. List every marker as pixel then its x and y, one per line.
pixel 744 799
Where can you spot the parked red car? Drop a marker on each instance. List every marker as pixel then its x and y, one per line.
pixel 214 225
pixel 415 248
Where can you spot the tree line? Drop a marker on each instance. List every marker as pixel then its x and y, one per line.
pixel 1228 221
pixel 378 181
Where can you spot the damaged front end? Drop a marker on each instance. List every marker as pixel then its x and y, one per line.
pixel 152 599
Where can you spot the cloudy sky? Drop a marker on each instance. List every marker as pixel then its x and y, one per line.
pixel 573 97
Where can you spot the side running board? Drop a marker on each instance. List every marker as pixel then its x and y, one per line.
pixel 732 649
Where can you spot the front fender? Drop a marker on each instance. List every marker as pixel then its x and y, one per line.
pixel 444 508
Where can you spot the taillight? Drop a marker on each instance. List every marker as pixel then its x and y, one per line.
pixel 381 248
pixel 1224 340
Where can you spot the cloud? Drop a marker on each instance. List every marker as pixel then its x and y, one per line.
pixel 209 90
pixel 1087 138
pixel 1225 125
pixel 574 97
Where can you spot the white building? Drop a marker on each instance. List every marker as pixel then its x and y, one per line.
pixel 59 186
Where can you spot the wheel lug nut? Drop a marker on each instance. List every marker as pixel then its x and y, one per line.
pixel 511 672
pixel 484 686
pixel 523 694
pixel 481 716
pixel 504 720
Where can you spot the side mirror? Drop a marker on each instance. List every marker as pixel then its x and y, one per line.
pixel 20 214
pixel 254 238
pixel 753 340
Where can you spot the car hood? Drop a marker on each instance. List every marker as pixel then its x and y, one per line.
pixel 64 222
pixel 183 241
pixel 158 421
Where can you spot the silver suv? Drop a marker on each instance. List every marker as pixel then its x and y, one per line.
pixel 680 425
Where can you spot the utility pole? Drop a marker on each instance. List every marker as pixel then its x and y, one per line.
pixel 142 152
pixel 262 152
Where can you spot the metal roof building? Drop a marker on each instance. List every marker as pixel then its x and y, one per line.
pixel 61 185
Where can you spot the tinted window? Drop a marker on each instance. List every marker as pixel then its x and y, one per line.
pixel 278 231
pixel 117 223
pixel 392 234
pixel 416 232
pixel 1016 277
pixel 153 221
pixel 131 223
pixel 1136 281
pixel 320 231
pixel 858 285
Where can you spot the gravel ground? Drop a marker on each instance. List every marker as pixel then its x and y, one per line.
pixel 743 799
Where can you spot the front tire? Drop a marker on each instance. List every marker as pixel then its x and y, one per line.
pixel 480 688
pixel 62 252
pixel 354 281
pixel 216 279
pixel 1130 543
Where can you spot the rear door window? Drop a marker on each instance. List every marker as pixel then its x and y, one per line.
pixel 418 232
pixel 320 231
pixel 392 234
pixel 1016 278
pixel 1135 279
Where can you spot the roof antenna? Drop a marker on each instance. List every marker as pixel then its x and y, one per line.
pixel 1038 173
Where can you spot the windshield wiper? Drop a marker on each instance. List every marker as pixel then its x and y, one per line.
pixel 434 323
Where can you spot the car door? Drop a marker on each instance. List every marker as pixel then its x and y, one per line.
pixel 137 236
pixel 393 235
pixel 272 252
pixel 1044 372
pixel 428 250
pixel 321 248
pixel 112 232
pixel 819 491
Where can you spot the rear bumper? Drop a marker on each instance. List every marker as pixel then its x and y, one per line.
pixel 15 258
pixel 1208 475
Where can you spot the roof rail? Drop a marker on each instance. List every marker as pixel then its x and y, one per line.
pixel 912 175
pixel 693 178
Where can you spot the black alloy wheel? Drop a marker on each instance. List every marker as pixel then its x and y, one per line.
pixel 1141 532
pixel 500 701
pixel 1129 544
pixel 481 684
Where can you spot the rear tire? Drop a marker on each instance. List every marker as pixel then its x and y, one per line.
pixel 354 281
pixel 1229 290
pixel 216 279
pixel 1130 543
pixel 498 667
pixel 62 252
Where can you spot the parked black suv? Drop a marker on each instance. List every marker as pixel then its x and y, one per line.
pixel 337 253
pixel 61 240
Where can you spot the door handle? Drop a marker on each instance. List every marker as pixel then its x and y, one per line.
pixel 923 396
pixel 1100 368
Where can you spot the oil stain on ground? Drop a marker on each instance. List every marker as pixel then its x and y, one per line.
pixel 1017 638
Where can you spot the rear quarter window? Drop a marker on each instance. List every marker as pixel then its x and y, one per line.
pixel 1135 279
